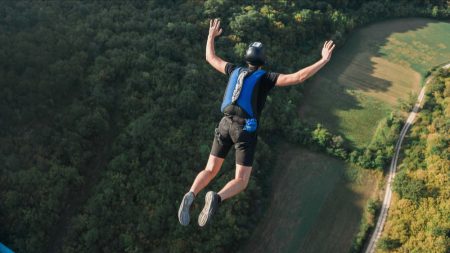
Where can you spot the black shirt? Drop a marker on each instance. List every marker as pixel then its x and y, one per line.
pixel 266 83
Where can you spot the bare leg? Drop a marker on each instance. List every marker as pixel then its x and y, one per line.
pixel 204 177
pixel 238 184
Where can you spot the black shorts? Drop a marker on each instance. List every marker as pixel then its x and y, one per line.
pixel 230 132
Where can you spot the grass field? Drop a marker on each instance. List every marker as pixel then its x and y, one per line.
pixel 378 64
pixel 316 204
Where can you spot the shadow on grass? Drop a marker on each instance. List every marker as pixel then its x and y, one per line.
pixel 352 70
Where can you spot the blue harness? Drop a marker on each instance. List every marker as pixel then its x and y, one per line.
pixel 245 98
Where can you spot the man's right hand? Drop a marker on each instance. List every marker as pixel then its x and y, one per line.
pixel 214 28
pixel 211 57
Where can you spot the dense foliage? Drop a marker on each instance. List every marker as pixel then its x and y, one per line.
pixel 107 110
pixel 419 219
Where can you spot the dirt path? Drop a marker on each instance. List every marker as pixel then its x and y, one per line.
pixel 392 169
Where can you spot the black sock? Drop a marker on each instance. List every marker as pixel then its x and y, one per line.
pixel 220 199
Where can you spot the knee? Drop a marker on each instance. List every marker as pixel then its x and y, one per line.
pixel 210 173
pixel 213 165
pixel 211 170
pixel 242 181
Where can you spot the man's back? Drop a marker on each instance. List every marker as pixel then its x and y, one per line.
pixel 261 89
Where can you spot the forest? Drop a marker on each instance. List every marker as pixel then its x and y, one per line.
pixel 107 112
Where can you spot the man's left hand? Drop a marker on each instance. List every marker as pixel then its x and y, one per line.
pixel 327 50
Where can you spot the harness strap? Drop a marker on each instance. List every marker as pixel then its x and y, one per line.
pixel 236 118
pixel 240 81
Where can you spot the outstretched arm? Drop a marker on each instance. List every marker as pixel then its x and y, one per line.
pixel 303 74
pixel 211 57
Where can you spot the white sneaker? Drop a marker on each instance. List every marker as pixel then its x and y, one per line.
pixel 183 212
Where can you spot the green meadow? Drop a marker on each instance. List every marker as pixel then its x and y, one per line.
pixel 378 65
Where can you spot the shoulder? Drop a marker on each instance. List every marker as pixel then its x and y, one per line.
pixel 270 78
pixel 229 68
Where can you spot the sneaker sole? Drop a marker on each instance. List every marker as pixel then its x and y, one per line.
pixel 183 212
pixel 206 212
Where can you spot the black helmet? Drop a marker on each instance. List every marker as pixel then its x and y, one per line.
pixel 255 54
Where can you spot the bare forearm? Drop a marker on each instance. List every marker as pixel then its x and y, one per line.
pixel 210 52
pixel 305 73
pixel 309 71
pixel 211 56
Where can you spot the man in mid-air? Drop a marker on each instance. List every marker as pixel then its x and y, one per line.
pixel 242 104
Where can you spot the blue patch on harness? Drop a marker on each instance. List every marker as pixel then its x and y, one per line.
pixel 4 249
pixel 250 125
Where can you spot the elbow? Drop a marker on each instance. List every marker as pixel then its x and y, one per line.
pixel 301 78
pixel 209 58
